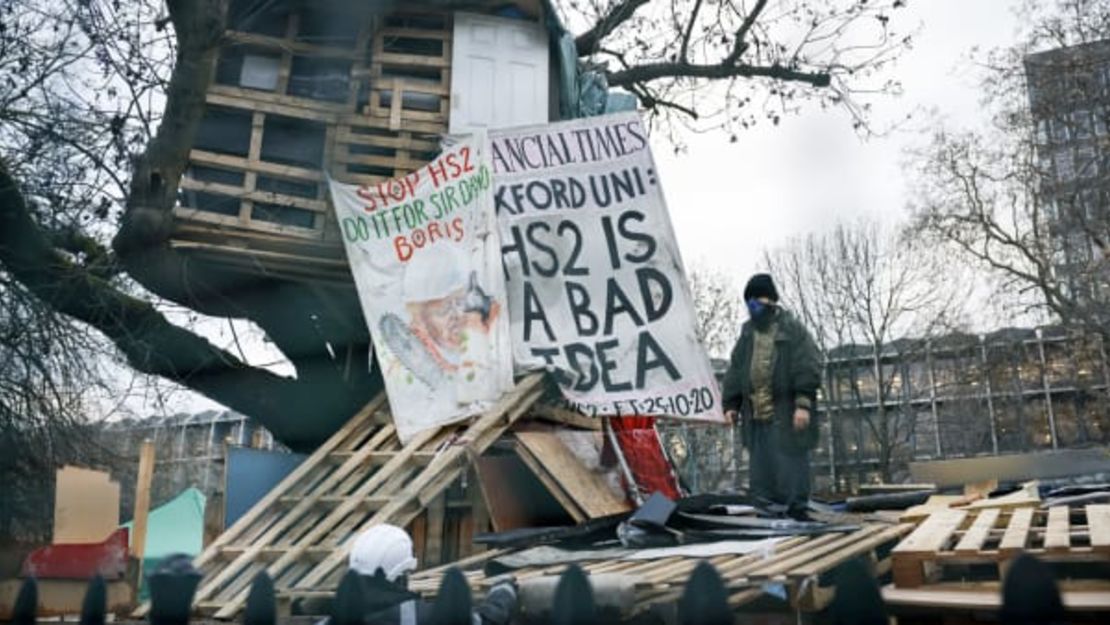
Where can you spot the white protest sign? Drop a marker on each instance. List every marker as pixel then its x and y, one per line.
pixel 596 287
pixel 426 260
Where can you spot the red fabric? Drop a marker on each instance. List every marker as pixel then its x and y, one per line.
pixel 80 561
pixel 642 449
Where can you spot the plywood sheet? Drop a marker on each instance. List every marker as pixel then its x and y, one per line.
pixel 86 506
pixel 1012 468
pixel 585 487
pixel 514 496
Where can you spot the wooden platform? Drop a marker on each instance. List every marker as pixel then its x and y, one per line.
pixel 362 476
pixel 364 111
pixel 980 543
pixel 801 564
pixel 987 597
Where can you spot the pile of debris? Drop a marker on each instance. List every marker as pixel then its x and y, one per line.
pixel 640 562
pixel 1054 506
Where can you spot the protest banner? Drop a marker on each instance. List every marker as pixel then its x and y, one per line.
pixel 596 287
pixel 425 254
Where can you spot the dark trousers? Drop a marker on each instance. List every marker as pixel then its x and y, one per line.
pixel 774 474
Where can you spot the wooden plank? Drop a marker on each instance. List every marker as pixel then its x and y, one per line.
pixel 821 565
pixel 479 512
pixel 381 457
pixel 415 33
pixel 278 105
pixel 339 524
pixel 780 565
pixel 563 416
pixel 990 599
pixel 551 484
pixel 586 488
pixel 303 470
pixel 935 503
pixel 319 527
pixel 1098 524
pixel 400 142
pixel 433 546
pixel 214 159
pixel 933 534
pixel 1016 537
pixel 363 120
pixel 1057 536
pixel 314 265
pixel 230 551
pixel 973 540
pixel 884 489
pixel 396 59
pixel 142 504
pixel 269 197
pixel 430 481
pixel 290 231
pixel 413 85
pixel 86 506
pixel 323 527
pixel 291 45
pixel 371 503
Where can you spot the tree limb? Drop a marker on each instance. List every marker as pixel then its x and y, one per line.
pixel 681 69
pixel 588 42
pixel 289 408
pixel 142 243
pixel 740 43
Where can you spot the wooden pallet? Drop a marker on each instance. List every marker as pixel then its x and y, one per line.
pixel 990 538
pixel 801 564
pixel 261 215
pixel 362 476
pixel 408 81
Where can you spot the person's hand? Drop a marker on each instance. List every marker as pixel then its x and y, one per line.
pixel 732 416
pixel 801 419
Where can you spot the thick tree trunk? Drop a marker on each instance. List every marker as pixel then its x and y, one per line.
pixel 302 322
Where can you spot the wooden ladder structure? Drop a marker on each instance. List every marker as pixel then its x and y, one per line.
pixel 300 532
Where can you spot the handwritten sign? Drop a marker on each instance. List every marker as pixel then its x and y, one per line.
pixel 425 255
pixel 596 287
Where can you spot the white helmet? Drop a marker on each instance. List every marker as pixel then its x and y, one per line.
pixel 385 547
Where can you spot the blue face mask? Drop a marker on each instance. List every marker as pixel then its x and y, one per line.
pixel 758 310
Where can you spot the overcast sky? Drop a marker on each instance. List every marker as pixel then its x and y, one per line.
pixel 730 201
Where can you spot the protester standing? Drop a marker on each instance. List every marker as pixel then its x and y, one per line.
pixel 771 387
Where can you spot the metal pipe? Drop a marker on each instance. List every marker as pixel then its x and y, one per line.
pixel 612 436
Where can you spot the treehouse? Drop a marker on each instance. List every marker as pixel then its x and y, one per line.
pixel 361 91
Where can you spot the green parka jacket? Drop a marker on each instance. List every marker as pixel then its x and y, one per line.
pixel 795 377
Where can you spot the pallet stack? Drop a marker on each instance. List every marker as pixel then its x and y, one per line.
pixel 362 476
pixel 802 564
pixel 958 558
